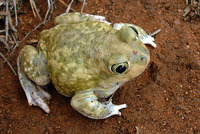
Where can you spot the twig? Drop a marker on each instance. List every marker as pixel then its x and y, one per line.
pixel 8 63
pixel 1 31
pixel 82 7
pixel 31 32
pixel 10 39
pixel 6 22
pixel 48 2
pixel 155 32
pixel 187 10
pixel 6 44
pixel 34 14
pixel 67 5
pixel 3 13
pixel 12 27
pixel 26 37
pixel 187 2
pixel 34 8
pixel 34 5
pixel 16 20
pixel 137 130
pixel 2 2
pixel 50 7
pixel 14 38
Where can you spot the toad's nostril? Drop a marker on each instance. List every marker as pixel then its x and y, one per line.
pixel 135 53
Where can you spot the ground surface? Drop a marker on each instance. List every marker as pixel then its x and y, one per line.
pixel 164 99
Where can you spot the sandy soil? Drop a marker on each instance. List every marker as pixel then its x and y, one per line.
pixel 165 99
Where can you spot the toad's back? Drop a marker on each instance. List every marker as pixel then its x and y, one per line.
pixel 77 54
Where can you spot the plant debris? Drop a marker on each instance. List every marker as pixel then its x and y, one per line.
pixel 192 10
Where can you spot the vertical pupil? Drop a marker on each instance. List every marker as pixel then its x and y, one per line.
pixel 120 69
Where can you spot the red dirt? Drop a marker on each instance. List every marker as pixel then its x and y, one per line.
pixel 164 99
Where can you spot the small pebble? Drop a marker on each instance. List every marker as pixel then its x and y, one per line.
pixel 147 7
pixel 180 10
pixel 177 22
pixel 122 129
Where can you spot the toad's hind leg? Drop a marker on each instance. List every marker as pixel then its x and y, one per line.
pixel 88 104
pixel 33 73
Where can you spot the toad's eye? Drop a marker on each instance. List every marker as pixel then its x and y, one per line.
pixel 136 31
pixel 120 68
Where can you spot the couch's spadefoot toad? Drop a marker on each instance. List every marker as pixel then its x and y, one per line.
pixel 86 59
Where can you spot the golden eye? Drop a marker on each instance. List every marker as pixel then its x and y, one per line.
pixel 120 68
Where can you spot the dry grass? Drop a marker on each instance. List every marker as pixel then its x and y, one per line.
pixel 8 33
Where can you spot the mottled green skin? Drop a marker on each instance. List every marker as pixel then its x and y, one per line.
pixel 79 57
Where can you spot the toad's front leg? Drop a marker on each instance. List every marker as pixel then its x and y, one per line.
pixel 87 103
pixel 33 73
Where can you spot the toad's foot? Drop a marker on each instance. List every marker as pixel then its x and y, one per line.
pixel 86 103
pixel 115 108
pixel 35 94
pixel 145 38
